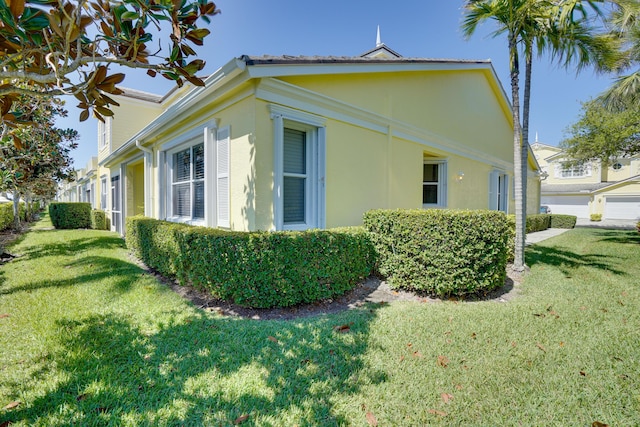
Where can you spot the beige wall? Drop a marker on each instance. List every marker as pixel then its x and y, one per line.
pixel 460 105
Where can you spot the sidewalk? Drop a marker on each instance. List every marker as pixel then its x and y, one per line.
pixel 614 224
pixel 539 236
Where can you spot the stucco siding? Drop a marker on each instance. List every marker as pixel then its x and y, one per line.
pixel 460 105
pixel 131 116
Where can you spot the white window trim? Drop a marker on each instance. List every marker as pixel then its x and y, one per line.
pixel 315 200
pixel 441 185
pixel 104 193
pixel 577 171
pixel 186 144
pixel 104 132
pixel 497 198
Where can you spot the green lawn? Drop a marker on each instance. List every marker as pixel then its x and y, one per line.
pixel 88 338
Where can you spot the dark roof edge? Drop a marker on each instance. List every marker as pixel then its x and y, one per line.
pixel 303 60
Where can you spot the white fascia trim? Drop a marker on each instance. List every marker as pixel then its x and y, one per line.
pixel 222 76
pixel 297 115
pixel 279 92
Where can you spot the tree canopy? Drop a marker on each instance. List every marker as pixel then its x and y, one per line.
pixel 57 47
pixel 604 134
pixel 624 24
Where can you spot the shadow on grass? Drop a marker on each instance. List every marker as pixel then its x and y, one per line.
pixel 568 261
pixel 121 275
pixel 73 246
pixel 202 371
pixel 626 237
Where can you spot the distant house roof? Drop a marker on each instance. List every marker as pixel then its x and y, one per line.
pixel 572 188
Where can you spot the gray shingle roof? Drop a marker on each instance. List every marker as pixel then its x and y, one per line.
pixel 293 60
pixel 572 188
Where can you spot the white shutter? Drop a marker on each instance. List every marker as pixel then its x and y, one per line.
pixel 494 176
pixel 222 176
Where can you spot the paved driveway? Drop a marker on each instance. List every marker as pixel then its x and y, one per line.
pixel 619 224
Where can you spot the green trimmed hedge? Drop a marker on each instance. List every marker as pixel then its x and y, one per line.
pixel 70 215
pixel 441 252
pixel 563 221
pixel 98 220
pixel 6 215
pixel 255 269
pixel 537 222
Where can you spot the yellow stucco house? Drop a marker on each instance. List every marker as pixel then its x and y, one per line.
pixel 291 143
pixel 612 191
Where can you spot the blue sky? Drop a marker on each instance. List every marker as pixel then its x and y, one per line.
pixel 413 28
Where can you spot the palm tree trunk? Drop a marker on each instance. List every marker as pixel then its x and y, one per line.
pixel 518 262
pixel 525 126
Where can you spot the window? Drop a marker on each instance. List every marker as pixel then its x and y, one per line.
pixel 115 203
pixel 103 193
pixel 299 196
pixel 434 184
pixel 617 166
pixel 499 191
pixel 574 171
pixel 103 132
pixel 187 183
pixel 295 176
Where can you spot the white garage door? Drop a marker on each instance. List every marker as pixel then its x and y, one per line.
pixel 622 208
pixel 567 205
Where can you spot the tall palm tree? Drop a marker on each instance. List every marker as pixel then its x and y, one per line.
pixel 544 25
pixel 625 27
pixel 514 19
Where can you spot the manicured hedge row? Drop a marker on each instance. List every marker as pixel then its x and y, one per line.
pixel 563 221
pixel 70 215
pixel 99 220
pixel 537 222
pixel 441 252
pixel 6 215
pixel 256 269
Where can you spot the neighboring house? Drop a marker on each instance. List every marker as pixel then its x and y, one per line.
pixel 277 143
pixel 86 182
pixel 592 188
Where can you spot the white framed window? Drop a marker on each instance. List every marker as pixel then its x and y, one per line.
pixel 115 204
pixel 186 183
pixel 434 184
pixel 499 191
pixel 299 165
pixel 565 170
pixel 103 132
pixel 103 193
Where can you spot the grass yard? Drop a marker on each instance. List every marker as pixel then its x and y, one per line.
pixel 88 338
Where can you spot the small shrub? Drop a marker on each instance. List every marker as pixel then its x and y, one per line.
pixel 6 215
pixel 98 220
pixel 255 269
pixel 537 222
pixel 595 217
pixel 441 252
pixel 563 221
pixel 70 215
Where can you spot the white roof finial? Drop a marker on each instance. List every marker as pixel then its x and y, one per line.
pixel 536 136
pixel 378 42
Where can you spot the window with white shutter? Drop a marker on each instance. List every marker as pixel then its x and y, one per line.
pixel 187 183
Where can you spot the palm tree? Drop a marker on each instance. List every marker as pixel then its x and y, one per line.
pixel 545 25
pixel 625 23
pixel 514 19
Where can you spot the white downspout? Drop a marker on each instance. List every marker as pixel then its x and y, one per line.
pixel 148 165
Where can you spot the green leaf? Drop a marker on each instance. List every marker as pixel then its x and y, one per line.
pixel 129 16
